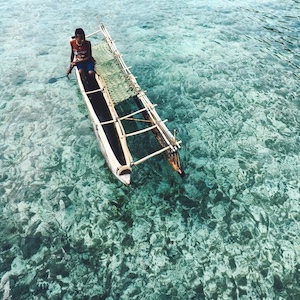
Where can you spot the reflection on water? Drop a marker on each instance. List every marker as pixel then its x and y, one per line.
pixel 226 75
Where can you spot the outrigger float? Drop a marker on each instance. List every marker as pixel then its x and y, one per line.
pixel 113 84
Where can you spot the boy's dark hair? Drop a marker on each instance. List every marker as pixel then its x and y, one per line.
pixel 79 31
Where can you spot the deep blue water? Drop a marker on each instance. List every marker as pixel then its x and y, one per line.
pixel 226 76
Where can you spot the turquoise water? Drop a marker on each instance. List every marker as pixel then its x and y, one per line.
pixel 226 75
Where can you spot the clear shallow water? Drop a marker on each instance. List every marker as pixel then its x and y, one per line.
pixel 226 75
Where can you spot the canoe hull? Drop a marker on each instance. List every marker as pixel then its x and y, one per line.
pixel 115 153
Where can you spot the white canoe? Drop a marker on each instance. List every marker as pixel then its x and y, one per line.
pixel 114 83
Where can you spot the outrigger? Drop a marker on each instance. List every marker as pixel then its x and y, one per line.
pixel 114 83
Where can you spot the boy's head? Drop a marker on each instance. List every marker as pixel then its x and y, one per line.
pixel 79 35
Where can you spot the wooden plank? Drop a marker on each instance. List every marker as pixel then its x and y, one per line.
pixel 151 155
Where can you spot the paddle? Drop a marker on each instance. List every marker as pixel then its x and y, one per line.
pixel 54 79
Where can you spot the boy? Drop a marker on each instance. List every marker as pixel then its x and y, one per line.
pixel 81 54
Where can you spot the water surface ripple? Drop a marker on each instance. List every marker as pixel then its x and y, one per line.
pixel 226 76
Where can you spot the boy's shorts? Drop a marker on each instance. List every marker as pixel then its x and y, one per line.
pixel 86 66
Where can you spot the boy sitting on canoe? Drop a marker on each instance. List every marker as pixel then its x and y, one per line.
pixel 81 55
